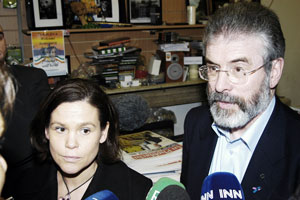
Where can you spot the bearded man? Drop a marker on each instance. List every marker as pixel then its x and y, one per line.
pixel 245 129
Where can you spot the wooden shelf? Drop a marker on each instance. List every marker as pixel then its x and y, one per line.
pixel 166 94
pixel 131 28
pixel 153 87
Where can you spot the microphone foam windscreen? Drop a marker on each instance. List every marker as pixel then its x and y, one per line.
pixel 133 111
pixel 221 185
pixel 173 192
pixel 161 184
pixel 103 195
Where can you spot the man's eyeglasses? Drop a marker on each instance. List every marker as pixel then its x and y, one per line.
pixel 236 75
pixel 1 35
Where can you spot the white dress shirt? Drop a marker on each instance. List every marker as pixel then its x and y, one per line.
pixel 234 155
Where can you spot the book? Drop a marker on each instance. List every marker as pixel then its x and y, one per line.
pixel 116 41
pixel 151 154
pixel 114 49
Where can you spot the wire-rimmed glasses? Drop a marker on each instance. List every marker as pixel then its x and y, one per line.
pixel 236 75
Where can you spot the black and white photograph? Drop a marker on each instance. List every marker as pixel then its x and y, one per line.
pixel 47 9
pixel 48 14
pixel 109 11
pixel 140 10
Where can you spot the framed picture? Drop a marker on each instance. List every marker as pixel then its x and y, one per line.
pixel 47 14
pixel 140 11
pixel 110 10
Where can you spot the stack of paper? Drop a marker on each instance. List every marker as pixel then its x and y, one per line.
pixel 183 46
pixel 152 155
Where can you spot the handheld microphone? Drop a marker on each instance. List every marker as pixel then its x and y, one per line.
pixel 167 189
pixel 103 195
pixel 221 185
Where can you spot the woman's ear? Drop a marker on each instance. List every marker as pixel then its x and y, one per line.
pixel 46 133
pixel 276 72
pixel 104 133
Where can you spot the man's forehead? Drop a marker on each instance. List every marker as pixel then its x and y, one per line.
pixel 232 37
pixel 248 48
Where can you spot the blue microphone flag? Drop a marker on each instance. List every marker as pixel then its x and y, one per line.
pixel 103 195
pixel 221 185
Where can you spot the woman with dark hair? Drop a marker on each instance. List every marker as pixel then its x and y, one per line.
pixel 76 129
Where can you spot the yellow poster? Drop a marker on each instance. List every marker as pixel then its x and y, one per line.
pixel 48 50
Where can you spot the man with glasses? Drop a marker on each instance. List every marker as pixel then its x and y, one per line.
pixel 31 87
pixel 245 129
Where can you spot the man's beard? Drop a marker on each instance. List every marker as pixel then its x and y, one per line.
pixel 247 109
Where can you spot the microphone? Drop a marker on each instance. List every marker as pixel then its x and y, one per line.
pixel 221 185
pixel 103 195
pixel 133 111
pixel 167 189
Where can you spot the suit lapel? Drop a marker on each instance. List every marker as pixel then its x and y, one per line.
pixel 208 143
pixel 267 160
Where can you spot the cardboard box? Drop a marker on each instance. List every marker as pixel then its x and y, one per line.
pixel 174 11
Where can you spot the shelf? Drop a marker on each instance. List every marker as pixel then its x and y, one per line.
pixel 131 28
pixel 153 87
pixel 166 94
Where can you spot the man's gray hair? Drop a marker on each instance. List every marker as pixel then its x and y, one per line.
pixel 248 18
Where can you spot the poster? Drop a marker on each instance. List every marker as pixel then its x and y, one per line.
pixel 48 52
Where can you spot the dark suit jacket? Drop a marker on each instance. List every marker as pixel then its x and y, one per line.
pixel 275 163
pixel 40 183
pixel 32 88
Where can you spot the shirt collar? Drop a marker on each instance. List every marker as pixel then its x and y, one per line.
pixel 253 134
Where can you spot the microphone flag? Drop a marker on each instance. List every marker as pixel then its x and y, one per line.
pixel 103 195
pixel 222 185
pixel 161 184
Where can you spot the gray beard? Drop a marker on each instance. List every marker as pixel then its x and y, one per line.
pixel 248 109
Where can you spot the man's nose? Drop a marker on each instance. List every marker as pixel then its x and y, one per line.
pixel 222 82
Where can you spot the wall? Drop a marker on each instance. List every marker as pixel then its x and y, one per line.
pixel 82 42
pixel 180 113
pixel 287 11
pixel 8 21
pixel 289 15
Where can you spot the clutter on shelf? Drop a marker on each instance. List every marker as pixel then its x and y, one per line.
pixel 116 62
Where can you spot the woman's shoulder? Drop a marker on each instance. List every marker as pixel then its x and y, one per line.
pixel 120 169
pixel 123 181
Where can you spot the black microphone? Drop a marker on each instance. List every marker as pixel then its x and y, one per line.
pixel 221 185
pixel 103 195
pixel 173 192
pixel 133 111
pixel 167 189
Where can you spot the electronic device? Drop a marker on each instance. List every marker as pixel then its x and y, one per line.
pixel 172 65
